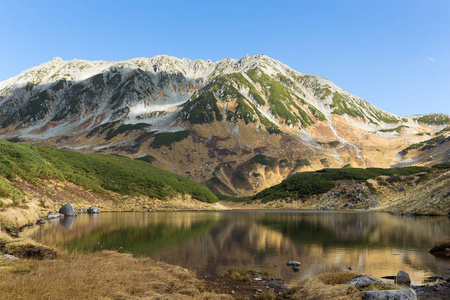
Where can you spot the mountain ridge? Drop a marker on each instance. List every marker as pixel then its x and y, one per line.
pixel 204 115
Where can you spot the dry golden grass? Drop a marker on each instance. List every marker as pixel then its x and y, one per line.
pixel 328 285
pixel 338 277
pixel 103 275
pixel 238 275
pixel 441 245
pixel 267 295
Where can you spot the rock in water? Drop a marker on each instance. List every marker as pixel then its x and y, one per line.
pixel 405 294
pixel 362 281
pixel 68 210
pixel 93 210
pixel 402 278
pixel 54 215
pixel 293 263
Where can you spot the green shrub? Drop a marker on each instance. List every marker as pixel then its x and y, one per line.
pixel 443 130
pixel 434 119
pixel 98 173
pixel 303 162
pixel 334 144
pixel 124 128
pixel 202 109
pixel 168 138
pixel 262 160
pixel 396 129
pixel 305 184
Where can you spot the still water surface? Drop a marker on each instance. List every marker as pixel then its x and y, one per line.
pixel 371 243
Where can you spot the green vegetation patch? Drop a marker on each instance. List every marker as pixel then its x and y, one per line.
pixel 334 144
pixel 245 111
pixel 202 109
pixel 446 129
pixel 124 128
pixel 434 119
pixel 428 144
pixel 396 129
pixel 382 116
pixel 262 160
pixel 303 162
pixel 98 173
pixel 343 105
pixel 168 138
pixel 242 82
pixel 102 128
pixel 316 113
pixel 307 184
pixel 280 99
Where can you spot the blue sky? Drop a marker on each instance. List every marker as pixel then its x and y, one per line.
pixel 393 53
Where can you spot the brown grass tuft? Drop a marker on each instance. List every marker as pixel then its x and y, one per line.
pixel 238 275
pixel 338 277
pixel 103 275
pixel 326 286
pixel 441 245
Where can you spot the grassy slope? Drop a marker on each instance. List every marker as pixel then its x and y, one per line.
pixel 96 173
pixel 423 189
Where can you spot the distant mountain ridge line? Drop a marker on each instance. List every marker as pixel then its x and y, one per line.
pixel 193 117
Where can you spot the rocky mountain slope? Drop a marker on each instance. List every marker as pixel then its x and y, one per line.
pixel 238 125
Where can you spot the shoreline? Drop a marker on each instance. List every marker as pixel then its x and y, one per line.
pixel 221 286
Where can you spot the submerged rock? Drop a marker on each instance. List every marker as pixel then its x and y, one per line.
pixel 293 263
pixel 362 281
pixel 67 210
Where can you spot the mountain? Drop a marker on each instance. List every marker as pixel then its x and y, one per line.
pixel 237 125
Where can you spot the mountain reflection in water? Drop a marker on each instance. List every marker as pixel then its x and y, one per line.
pixel 377 244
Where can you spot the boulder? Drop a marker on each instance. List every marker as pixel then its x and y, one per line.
pixel 362 281
pixel 405 294
pixel 402 278
pixel 68 210
pixel 93 210
pixel 41 221
pixel 54 215
pixel 293 263
pixel 7 257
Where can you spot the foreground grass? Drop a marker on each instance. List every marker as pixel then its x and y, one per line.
pixel 328 285
pixel 102 275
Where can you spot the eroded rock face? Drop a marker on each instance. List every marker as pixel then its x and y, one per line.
pixel 68 210
pixel 362 281
pixel 405 294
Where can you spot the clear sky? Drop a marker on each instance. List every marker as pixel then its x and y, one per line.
pixel 393 53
